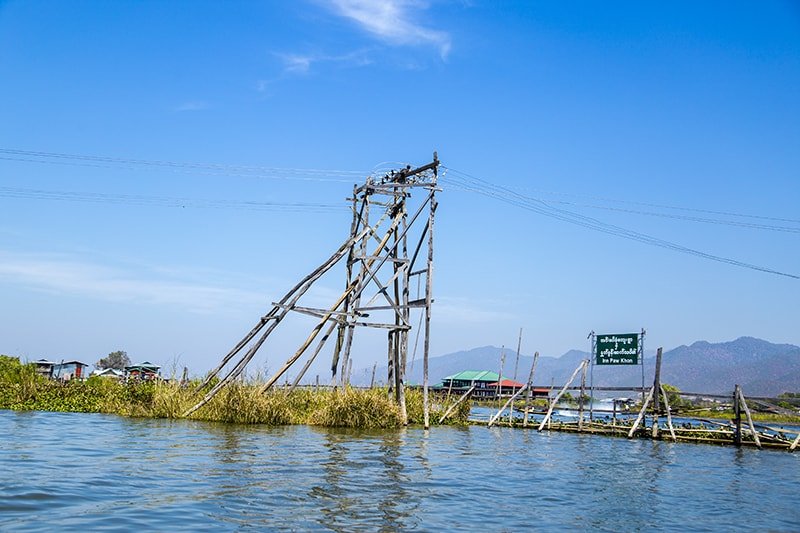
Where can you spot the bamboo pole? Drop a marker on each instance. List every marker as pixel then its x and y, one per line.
pixel 530 390
pixel 516 361
pixel 276 315
pixel 580 399
pixel 399 318
pixel 428 300
pixel 354 302
pixel 458 402
pixel 737 413
pixel 641 413
pixel 546 418
pixel 510 400
pixel 500 376
pixel 658 388
pixel 321 343
pixel 358 218
pixel 353 288
pixel 749 418
pixel 669 414
pixel 303 347
pixel 794 443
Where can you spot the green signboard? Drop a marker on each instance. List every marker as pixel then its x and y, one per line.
pixel 618 349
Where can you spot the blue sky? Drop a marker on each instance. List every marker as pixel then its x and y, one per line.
pixel 597 108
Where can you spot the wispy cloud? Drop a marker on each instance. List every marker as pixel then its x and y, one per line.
pixel 61 274
pixel 302 63
pixel 393 21
pixel 191 105
pixel 469 311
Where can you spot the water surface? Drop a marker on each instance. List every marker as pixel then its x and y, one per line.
pixel 71 471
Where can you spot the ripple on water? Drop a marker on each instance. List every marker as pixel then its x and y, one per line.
pixel 86 471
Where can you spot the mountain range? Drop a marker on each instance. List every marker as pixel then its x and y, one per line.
pixel 760 367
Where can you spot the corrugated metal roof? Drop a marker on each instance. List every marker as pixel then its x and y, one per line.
pixel 474 375
pixel 509 383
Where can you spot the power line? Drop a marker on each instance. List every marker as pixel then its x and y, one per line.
pixel 165 201
pixel 503 194
pixel 295 174
pixel 662 206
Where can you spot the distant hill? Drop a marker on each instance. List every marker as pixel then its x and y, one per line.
pixel 760 367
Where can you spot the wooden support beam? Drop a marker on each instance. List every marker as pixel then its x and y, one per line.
pixel 516 361
pixel 561 393
pixel 458 402
pixel 749 418
pixel 510 400
pixel 794 443
pixel 580 399
pixel 639 418
pixel 657 387
pixel 321 343
pixel 530 390
pixel 428 299
pixel 669 413
pixel 303 347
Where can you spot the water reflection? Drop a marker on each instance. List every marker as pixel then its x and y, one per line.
pixel 86 472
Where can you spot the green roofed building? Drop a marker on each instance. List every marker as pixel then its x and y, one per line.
pixel 486 384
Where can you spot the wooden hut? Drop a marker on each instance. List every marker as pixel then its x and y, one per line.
pixel 145 371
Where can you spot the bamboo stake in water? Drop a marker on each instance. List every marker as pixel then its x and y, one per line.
pixel 669 415
pixel 641 413
pixel 546 418
pixel 514 397
pixel 458 402
pixel 749 418
pixel 530 390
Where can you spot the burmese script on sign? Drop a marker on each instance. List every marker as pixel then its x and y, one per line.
pixel 617 349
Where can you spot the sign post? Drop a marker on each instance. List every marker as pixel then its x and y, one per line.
pixel 617 349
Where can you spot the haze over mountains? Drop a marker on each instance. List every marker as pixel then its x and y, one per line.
pixel 760 367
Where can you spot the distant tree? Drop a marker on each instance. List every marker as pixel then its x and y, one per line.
pixel 673 395
pixel 117 360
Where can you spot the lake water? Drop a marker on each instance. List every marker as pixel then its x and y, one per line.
pixel 66 471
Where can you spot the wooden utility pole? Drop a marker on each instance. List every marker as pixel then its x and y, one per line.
pixel 581 398
pixel 500 376
pixel 737 417
pixel 516 362
pixel 657 394
pixel 376 249
pixel 530 390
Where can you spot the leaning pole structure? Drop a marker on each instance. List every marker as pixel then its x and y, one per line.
pixel 389 247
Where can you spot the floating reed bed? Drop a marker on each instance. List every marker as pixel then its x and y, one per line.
pixel 241 402
pixel 720 433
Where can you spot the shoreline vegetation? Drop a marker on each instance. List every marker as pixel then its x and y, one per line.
pixel 21 389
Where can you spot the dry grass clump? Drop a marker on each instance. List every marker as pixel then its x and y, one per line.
pixel 243 403
pixel 367 409
pixel 439 405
